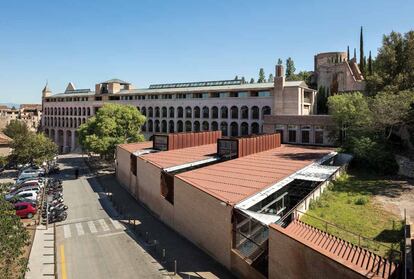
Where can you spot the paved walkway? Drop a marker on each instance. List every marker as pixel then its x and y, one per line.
pixel 191 261
pixel 41 260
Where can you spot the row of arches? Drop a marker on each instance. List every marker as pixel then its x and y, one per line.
pixel 64 122
pixel 66 140
pixel 234 129
pixel 224 112
pixel 78 111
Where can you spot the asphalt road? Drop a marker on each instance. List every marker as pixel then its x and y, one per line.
pixel 91 243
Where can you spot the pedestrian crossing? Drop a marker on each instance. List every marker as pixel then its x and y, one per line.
pixel 91 227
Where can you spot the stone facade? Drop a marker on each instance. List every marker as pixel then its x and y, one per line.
pixel 230 106
pixel 30 114
pixel 336 73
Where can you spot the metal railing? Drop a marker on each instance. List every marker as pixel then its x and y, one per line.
pixel 391 253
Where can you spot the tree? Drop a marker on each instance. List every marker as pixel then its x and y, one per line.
pixel 262 77
pixel 15 129
pixel 322 100
pixel 355 54
pixel 243 80
pixel 290 69
pixel 14 237
pixel 252 80
pixel 271 78
pixel 351 114
pixel 347 53
pixel 391 111
pixel 33 148
pixel 279 61
pixel 113 124
pixel 369 64
pixel 361 52
pixel 236 78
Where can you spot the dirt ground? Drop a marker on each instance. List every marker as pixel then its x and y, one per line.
pixel 398 197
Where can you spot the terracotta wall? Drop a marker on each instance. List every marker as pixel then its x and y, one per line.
pixel 289 258
pixel 183 140
pixel 204 220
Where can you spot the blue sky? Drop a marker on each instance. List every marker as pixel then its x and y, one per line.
pixel 146 42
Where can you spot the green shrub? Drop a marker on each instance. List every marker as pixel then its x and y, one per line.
pixel 361 201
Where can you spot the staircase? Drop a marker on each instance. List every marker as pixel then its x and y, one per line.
pixel 361 260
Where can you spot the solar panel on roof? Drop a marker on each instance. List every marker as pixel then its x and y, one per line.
pixel 196 84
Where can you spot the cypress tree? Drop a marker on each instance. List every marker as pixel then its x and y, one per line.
pixel 279 61
pixel 270 79
pixel 252 80
pixel 236 78
pixel 290 69
pixel 347 53
pixel 361 52
pixel 262 77
pixel 355 53
pixel 243 80
pixel 370 63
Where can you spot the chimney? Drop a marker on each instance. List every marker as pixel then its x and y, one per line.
pixel 279 84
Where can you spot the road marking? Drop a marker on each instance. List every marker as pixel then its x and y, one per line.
pixel 116 224
pixel 110 234
pixel 79 228
pixel 62 262
pixel 103 225
pixel 92 227
pixel 66 231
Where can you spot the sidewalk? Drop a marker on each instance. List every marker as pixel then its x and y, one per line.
pixel 191 261
pixel 42 256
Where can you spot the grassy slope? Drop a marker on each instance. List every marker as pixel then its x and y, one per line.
pixel 349 205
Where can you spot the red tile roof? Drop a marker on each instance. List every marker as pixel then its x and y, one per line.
pixel 176 157
pixel 233 181
pixel 132 147
pixel 5 139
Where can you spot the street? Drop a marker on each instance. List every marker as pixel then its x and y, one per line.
pixel 91 242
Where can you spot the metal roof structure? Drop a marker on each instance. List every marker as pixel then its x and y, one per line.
pixel 196 84
pixel 116 80
pixel 235 180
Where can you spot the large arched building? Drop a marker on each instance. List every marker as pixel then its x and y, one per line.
pixel 231 106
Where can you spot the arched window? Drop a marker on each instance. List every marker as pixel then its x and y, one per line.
pixel 157 112
pixel 255 112
pixel 150 128
pixel 180 112
pixel 83 111
pixel 150 112
pixel 171 126
pixel 234 128
pixel 196 112
pixel 55 111
pixel 224 112
pixel 89 111
pixel 180 126
pixel 196 126
pixel 188 126
pixel 79 111
pixel 59 111
pixel 157 126
pixel 143 111
pixel 206 112
pixel 244 127
pixel 244 111
pixel 206 126
pixel 266 111
pixel 255 128
pixel 164 126
pixel 214 112
pixel 188 112
pixel 214 126
pixel 171 111
pixel 164 112
pixel 224 128
pixel 234 112
pixel 144 127
pixel 70 122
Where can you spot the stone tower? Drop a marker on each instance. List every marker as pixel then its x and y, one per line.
pixel 46 92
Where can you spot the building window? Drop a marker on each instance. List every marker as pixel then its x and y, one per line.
pixel 244 129
pixel 266 111
pixel 157 126
pixel 234 112
pixel 196 112
pixel 214 112
pixel 243 94
pixel 188 126
pixel 234 94
pixel 224 112
pixel 180 127
pixel 157 112
pixel 167 186
pixel 197 95
pixel 188 113
pixel 164 112
pixel 164 126
pixel 171 109
pixel 206 126
pixel 180 112
pixel 264 94
pixel 244 111
pixel 223 94
pixel 206 112
pixel 214 126
pixel 292 133
pixel 255 112
pixel 171 126
pixel 319 135
pixel 214 95
pixel 196 126
pixel 305 134
pixel 133 163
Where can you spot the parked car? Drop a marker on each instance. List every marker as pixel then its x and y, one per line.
pixel 35 188
pixel 17 199
pixel 30 195
pixel 31 170
pixel 25 209
pixel 26 183
pixel 24 176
